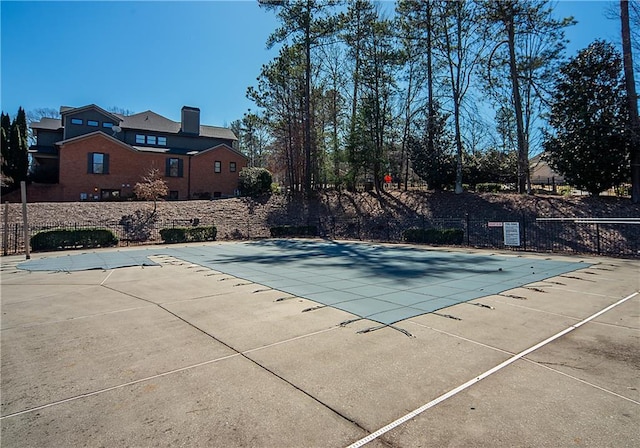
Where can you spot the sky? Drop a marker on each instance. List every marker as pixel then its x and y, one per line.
pixel 162 55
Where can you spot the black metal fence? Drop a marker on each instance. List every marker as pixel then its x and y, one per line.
pixel 618 238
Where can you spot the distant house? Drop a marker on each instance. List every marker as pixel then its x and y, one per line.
pixel 542 174
pixel 90 154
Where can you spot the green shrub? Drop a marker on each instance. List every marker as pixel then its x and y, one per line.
pixel 488 187
pixel 254 181
pixel 70 239
pixel 284 231
pixel 434 236
pixel 188 234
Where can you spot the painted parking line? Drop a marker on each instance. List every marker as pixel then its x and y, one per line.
pixel 484 375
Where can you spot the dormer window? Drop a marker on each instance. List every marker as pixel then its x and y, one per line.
pixel 76 121
pixel 162 141
pixel 92 123
pixel 107 125
pixel 139 138
pixel 151 139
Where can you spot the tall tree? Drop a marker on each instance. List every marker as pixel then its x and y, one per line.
pixel 462 43
pixel 588 114
pixel 534 42
pixel 632 100
pixel 417 23
pixel 357 25
pixel 379 61
pixel 306 23
pixel 279 93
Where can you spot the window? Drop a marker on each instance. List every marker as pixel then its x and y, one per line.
pixel 92 123
pixel 107 125
pixel 162 141
pixel 98 163
pixel 173 195
pixel 151 139
pixel 139 138
pixel 109 195
pixel 217 166
pixel 232 167
pixel 76 121
pixel 174 167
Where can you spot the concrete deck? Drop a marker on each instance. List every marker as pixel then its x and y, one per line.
pixel 182 355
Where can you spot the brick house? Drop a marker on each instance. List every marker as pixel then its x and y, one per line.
pixel 92 154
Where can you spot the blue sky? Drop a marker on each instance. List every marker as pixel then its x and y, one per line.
pixel 161 55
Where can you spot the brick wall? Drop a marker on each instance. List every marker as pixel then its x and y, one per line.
pixel 127 166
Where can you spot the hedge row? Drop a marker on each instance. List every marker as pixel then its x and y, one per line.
pixel 71 239
pixel 284 231
pixel 188 234
pixel 434 236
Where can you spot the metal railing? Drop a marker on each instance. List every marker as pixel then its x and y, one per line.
pixel 618 237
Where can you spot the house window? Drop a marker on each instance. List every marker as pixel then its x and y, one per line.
pixel 76 121
pixel 173 195
pixel 92 123
pixel 98 163
pixel 151 139
pixel 162 141
pixel 174 167
pixel 107 125
pixel 217 166
pixel 139 138
pixel 232 167
pixel 109 195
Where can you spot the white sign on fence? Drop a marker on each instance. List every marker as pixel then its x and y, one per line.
pixel 511 232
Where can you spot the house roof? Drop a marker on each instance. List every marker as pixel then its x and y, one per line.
pixel 64 110
pixel 151 121
pixel 52 124
pixel 94 135
pixel 144 121
pixel 541 172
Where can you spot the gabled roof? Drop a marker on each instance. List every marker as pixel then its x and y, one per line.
pixel 223 146
pixel 66 111
pixel 93 135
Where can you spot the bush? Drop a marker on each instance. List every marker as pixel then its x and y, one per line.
pixel 488 187
pixel 434 236
pixel 188 234
pixel 254 181
pixel 71 239
pixel 284 231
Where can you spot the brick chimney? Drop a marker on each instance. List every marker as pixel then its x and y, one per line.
pixel 190 120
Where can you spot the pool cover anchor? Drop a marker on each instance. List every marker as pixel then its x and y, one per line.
pixel 370 329
pixel 448 316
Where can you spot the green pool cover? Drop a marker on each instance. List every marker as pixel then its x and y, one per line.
pixel 383 284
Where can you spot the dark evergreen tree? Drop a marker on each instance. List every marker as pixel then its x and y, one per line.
pixel 590 145
pixel 431 153
pixel 6 150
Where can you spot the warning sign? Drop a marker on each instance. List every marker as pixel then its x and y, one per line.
pixel 511 233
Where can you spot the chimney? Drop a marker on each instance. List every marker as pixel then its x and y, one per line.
pixel 190 120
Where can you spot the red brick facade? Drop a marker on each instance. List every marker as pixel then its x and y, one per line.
pixel 126 166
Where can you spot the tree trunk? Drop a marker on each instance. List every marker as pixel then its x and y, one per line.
pixel 523 151
pixel 307 102
pixel 632 99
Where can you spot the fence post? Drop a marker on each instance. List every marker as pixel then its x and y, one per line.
pixel 524 231
pixel 598 238
pixel 25 220
pixel 5 234
pixel 466 218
